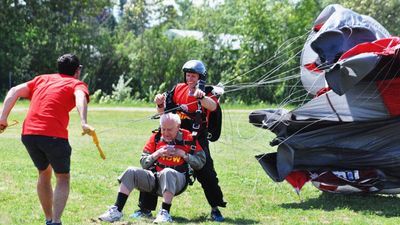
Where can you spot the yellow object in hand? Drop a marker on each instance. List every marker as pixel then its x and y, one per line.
pixel 95 141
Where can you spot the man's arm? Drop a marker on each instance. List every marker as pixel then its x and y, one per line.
pixel 208 103
pixel 205 101
pixel 196 161
pixel 19 91
pixel 147 159
pixel 81 106
pixel 160 102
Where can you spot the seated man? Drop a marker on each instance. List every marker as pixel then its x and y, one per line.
pixel 165 160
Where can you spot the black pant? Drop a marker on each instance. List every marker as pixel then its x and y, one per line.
pixel 207 178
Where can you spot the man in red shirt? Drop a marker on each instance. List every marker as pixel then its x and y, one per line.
pixel 165 161
pixel 44 131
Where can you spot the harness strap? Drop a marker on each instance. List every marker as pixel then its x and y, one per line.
pixel 156 183
pixel 180 168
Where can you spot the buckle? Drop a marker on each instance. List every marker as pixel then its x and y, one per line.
pixel 196 126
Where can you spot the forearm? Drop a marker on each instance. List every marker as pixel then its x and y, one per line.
pixel 208 103
pixel 147 160
pixel 81 106
pixel 8 104
pixel 197 160
pixel 11 98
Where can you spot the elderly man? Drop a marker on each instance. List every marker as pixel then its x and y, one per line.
pixel 165 160
pixel 188 95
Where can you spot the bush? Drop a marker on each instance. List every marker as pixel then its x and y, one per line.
pixel 96 96
pixel 121 91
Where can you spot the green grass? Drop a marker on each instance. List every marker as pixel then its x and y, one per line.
pixel 252 197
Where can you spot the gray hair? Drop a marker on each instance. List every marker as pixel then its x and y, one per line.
pixel 170 116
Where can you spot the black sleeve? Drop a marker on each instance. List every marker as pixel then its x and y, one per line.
pixel 169 102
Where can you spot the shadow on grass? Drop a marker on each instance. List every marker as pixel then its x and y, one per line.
pixel 381 205
pixel 180 220
pixel 206 218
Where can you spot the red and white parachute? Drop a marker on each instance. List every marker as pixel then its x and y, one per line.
pixel 343 139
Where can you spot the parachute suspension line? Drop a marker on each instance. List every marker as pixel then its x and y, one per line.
pixel 292 40
pixel 263 77
pixel 248 141
pixel 259 132
pixel 390 65
pixel 333 108
pixel 269 60
pixel 289 99
pixel 267 75
pixel 264 83
pixel 266 79
pixel 245 85
pixel 376 92
pixel 263 80
pixel 286 101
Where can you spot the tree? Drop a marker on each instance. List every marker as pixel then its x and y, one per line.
pixel 37 32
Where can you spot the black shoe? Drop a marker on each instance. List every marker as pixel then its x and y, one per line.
pixel 48 222
pixel 141 213
pixel 216 215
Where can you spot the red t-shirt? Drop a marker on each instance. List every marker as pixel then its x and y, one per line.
pixel 181 96
pixel 151 147
pixel 52 98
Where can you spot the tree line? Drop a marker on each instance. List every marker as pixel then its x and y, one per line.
pixel 127 53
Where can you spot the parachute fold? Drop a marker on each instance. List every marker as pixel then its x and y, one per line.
pixel 335 31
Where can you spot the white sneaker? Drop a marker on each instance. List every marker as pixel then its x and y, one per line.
pixel 111 215
pixel 163 217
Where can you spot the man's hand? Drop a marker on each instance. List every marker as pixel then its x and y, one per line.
pixel 184 107
pixel 3 125
pixel 199 94
pixel 87 129
pixel 159 99
pixel 176 152
pixel 163 151
pixel 2 128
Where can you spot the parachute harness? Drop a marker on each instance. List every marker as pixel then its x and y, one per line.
pixel 190 177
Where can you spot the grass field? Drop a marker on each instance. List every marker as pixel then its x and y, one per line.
pixel 252 197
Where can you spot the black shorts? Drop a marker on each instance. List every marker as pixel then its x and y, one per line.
pixel 45 150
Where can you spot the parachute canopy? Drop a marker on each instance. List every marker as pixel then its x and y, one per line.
pixel 351 64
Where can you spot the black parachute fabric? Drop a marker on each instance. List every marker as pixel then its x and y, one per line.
pixel 345 138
